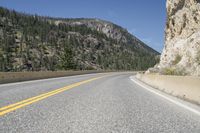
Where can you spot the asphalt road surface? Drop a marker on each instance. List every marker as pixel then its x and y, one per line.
pixel 93 103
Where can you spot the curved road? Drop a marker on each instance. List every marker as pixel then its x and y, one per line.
pixel 111 103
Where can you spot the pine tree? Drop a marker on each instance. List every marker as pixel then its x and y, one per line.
pixel 67 58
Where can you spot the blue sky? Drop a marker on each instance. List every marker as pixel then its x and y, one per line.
pixel 143 18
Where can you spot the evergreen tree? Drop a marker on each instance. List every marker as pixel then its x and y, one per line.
pixel 67 58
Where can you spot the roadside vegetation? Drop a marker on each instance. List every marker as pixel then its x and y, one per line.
pixel 198 58
pixel 177 60
pixel 174 71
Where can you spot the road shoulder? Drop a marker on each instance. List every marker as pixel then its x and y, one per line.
pixel 179 102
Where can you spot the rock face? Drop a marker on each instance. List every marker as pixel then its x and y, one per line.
pixel 182 40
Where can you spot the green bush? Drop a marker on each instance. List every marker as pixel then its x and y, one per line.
pixel 174 71
pixel 198 58
pixel 169 71
pixel 90 68
pixel 177 59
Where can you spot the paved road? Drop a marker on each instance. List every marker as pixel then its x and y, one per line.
pixel 110 104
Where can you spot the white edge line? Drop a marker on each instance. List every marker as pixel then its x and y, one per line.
pixel 167 98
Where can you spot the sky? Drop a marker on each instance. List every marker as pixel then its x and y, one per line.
pixel 143 18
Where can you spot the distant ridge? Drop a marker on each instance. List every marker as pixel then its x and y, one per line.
pixel 36 43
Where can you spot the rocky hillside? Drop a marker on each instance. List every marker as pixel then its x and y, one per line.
pixel 111 30
pixel 34 43
pixel 181 54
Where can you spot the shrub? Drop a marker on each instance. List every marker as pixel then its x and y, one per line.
pixel 177 60
pixel 174 71
pixel 198 58
pixel 168 71
pixel 90 68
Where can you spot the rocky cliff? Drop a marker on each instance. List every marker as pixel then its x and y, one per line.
pixel 181 54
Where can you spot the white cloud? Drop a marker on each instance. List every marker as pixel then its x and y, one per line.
pixel 147 40
pixel 152 43
pixel 132 31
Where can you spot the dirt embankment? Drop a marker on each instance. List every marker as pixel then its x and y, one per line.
pixel 9 77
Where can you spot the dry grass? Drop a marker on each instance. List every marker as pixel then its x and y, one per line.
pixel 8 77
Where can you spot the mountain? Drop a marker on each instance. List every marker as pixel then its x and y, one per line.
pixel 181 55
pixel 35 43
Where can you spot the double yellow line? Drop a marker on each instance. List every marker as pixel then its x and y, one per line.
pixel 6 109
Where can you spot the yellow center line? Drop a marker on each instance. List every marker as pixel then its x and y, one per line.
pixel 6 109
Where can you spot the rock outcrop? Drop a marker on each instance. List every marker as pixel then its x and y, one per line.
pixel 181 54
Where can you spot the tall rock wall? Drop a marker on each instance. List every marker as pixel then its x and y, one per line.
pixel 182 37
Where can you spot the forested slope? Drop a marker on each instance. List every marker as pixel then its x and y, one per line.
pixel 35 43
